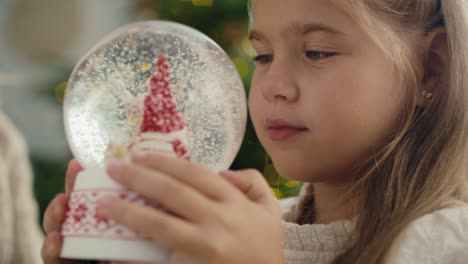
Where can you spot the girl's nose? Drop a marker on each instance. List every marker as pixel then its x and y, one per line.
pixel 279 85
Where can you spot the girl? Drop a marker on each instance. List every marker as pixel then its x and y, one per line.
pixel 364 101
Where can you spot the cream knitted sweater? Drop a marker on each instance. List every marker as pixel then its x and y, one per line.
pixel 436 238
pixel 20 236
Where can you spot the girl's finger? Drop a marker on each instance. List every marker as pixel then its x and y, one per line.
pixel 253 185
pixel 164 229
pixel 72 171
pixel 51 249
pixel 132 262
pixel 198 177
pixel 179 198
pixel 54 214
pixel 175 258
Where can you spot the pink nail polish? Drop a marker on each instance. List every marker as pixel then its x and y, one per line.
pixel 114 167
pixel 228 173
pixel 139 155
pixel 105 203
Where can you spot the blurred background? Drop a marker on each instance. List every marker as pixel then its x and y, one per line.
pixel 40 42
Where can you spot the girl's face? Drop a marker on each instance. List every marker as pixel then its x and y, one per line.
pixel 324 96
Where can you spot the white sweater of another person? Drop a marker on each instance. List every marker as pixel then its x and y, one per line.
pixel 20 235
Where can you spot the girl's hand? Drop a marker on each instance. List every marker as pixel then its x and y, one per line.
pixel 53 218
pixel 230 219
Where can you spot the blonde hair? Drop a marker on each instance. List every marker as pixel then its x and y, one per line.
pixel 422 165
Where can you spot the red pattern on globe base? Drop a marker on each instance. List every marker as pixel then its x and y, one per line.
pixel 82 220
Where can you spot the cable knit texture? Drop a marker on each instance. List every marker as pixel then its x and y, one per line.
pixel 20 236
pixel 315 243
pixel 439 237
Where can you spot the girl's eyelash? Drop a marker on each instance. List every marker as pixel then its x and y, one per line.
pixel 263 58
pixel 319 55
pixel 314 55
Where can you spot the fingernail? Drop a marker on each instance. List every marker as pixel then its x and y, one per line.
pixel 50 247
pixel 52 241
pixel 105 203
pixel 58 211
pixel 114 167
pixel 49 243
pixel 228 173
pixel 139 155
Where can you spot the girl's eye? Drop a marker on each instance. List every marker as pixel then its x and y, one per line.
pixel 319 55
pixel 263 58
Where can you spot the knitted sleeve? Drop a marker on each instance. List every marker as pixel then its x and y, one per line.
pixel 439 237
pixel 27 237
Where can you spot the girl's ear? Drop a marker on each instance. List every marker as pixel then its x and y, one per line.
pixel 435 62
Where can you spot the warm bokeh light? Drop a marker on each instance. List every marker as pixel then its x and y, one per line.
pixel 247 47
pixel 202 2
pixel 242 66
pixel 60 91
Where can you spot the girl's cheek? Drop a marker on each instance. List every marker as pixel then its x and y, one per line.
pixel 255 104
pixel 252 92
pixel 252 105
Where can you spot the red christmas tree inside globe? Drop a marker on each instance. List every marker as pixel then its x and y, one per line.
pixel 160 109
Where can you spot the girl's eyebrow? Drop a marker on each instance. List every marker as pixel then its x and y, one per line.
pixel 316 27
pixel 256 35
pixel 303 29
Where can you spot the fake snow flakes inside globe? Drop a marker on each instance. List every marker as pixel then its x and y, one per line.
pixel 157 86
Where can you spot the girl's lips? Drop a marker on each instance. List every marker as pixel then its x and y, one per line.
pixel 282 133
pixel 279 129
